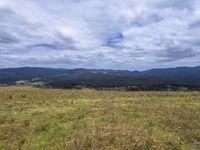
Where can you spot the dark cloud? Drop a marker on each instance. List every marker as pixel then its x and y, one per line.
pixel 7 38
pixel 43 45
pixel 64 42
pixel 6 13
pixel 176 53
pixel 146 20
pixel 195 24
pixel 180 4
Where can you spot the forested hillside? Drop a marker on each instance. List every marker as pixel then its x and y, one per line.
pixel 155 79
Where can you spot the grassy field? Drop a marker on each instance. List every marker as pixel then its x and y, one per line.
pixel 34 119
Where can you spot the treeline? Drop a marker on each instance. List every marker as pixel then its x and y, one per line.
pixel 160 87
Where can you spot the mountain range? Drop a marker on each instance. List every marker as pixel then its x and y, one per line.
pixel 153 79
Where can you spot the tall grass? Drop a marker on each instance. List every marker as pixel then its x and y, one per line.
pixel 34 119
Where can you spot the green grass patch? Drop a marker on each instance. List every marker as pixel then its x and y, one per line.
pixel 51 119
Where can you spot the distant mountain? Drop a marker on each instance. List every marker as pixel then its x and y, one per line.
pixel 10 75
pixel 98 78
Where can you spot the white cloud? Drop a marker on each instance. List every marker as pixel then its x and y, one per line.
pixel 119 34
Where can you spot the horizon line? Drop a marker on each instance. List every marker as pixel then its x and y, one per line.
pixel 101 68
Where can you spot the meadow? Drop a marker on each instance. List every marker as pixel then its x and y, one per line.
pixel 87 119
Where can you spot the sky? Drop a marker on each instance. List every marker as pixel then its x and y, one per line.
pixel 106 34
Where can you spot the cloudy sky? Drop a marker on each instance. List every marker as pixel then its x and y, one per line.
pixel 116 34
